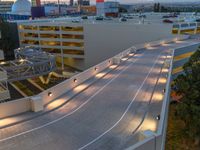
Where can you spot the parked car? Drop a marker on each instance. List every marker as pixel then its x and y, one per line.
pixel 167 21
pixel 84 17
pixel 197 20
pixel 99 18
pixel 123 19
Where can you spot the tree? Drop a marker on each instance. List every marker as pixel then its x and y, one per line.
pixel 155 7
pixel 7 42
pixel 188 85
pixel 158 7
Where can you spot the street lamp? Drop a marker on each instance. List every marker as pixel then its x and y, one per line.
pixel 158 117
pixel 50 94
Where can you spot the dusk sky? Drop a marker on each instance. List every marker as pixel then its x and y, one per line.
pixel 129 1
pixel 134 1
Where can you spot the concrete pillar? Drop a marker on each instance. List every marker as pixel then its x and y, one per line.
pixel 37 104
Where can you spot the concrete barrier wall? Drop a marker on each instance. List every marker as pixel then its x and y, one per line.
pixel 69 84
pixel 187 51
pixel 22 105
pixel 157 141
pixel 14 107
pixel 146 144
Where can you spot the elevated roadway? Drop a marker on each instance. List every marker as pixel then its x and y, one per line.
pixel 105 116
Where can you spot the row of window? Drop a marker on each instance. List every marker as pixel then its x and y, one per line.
pixel 65 51
pixel 65 36
pixel 53 43
pixel 51 28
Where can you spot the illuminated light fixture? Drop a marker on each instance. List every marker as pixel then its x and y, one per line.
pixel 2 63
pixel 50 94
pixel 131 54
pixel 75 80
pixel 21 60
pixel 163 80
pixel 158 117
pixel 164 90
pixel 124 59
pixel 95 68
pixel 113 66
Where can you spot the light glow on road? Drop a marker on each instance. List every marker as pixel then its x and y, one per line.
pixel 113 66
pixel 149 124
pixel 56 103
pixel 158 96
pixel 169 56
pixel 165 44
pixel 100 75
pixel 2 63
pixel 79 88
pixel 131 54
pixel 162 80
pixel 124 59
pixel 165 70
pixel 7 121
pixel 70 105
pixel 149 47
pixel 161 61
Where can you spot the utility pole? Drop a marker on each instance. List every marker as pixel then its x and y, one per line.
pixel 59 10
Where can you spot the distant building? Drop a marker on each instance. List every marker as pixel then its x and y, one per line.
pixel 6 6
pixel 83 2
pixel 84 43
pixel 100 7
pixel 71 2
pixel 20 10
pixel 110 8
pixel 88 10
pixel 21 7
pixel 36 3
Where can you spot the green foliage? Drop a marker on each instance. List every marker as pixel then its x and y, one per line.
pixel 7 39
pixel 188 85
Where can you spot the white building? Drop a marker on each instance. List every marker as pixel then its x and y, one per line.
pixel 110 8
pixel 5 6
pixel 21 7
pixel 86 43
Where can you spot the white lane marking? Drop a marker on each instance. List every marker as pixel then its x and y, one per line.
pixel 127 109
pixel 88 100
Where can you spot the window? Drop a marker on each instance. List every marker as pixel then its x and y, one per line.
pixel 50 43
pixel 78 29
pixel 71 36
pixel 49 28
pixel 75 44
pixel 32 42
pixel 49 35
pixel 73 52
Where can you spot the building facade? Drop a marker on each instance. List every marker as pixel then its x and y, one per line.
pixel 108 9
pixel 6 6
pixel 88 42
